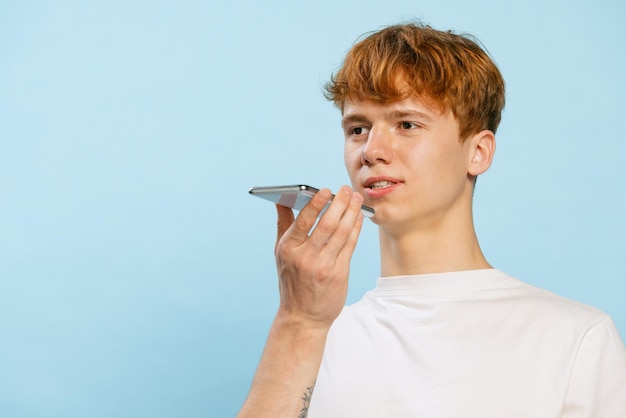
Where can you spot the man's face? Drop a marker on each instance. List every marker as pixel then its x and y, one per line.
pixel 407 159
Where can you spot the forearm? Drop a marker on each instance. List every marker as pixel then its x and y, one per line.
pixel 313 263
pixel 286 374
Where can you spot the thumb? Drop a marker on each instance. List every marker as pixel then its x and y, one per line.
pixel 285 219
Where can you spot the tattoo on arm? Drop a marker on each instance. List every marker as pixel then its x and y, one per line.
pixel 304 412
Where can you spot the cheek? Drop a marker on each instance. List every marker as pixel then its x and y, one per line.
pixel 352 162
pixel 434 164
pixel 351 158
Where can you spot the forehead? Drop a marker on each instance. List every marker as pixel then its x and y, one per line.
pixel 411 106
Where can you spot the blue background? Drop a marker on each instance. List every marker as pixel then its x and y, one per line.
pixel 136 273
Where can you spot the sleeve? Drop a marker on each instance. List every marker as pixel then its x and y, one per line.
pixel 597 386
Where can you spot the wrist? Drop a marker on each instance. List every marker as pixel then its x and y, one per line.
pixel 298 326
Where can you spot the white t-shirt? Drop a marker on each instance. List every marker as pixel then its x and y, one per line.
pixel 470 344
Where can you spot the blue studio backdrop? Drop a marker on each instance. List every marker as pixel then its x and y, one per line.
pixel 136 273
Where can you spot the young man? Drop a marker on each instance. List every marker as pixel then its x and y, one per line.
pixel 443 334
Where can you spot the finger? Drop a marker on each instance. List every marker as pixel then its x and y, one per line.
pixel 344 230
pixel 331 219
pixel 308 216
pixel 345 254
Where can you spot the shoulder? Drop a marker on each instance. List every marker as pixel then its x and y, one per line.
pixel 553 305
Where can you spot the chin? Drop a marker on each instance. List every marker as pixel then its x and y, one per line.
pixel 392 220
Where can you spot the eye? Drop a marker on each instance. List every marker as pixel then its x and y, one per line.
pixel 408 125
pixel 359 130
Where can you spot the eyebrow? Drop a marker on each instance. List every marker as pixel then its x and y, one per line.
pixel 392 114
pixel 399 114
pixel 356 117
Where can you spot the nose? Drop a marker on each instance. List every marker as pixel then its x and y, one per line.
pixel 378 148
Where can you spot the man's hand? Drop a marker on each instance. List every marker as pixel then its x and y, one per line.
pixel 313 260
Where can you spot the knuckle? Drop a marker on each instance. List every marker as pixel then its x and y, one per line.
pixel 280 251
pixel 325 225
pixel 283 251
pixel 318 202
pixel 325 272
pixel 301 264
pixel 302 223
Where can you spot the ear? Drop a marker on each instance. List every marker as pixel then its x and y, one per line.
pixel 482 147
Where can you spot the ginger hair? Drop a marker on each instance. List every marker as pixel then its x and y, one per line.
pixel 449 71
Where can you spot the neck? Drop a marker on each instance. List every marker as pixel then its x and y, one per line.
pixel 434 248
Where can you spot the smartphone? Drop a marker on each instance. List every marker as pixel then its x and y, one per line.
pixel 295 196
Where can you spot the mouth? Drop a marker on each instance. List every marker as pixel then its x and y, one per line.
pixel 376 187
pixel 375 183
pixel 380 184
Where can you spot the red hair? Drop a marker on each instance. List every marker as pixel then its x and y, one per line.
pixel 448 70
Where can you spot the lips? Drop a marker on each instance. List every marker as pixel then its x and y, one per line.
pixel 380 186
